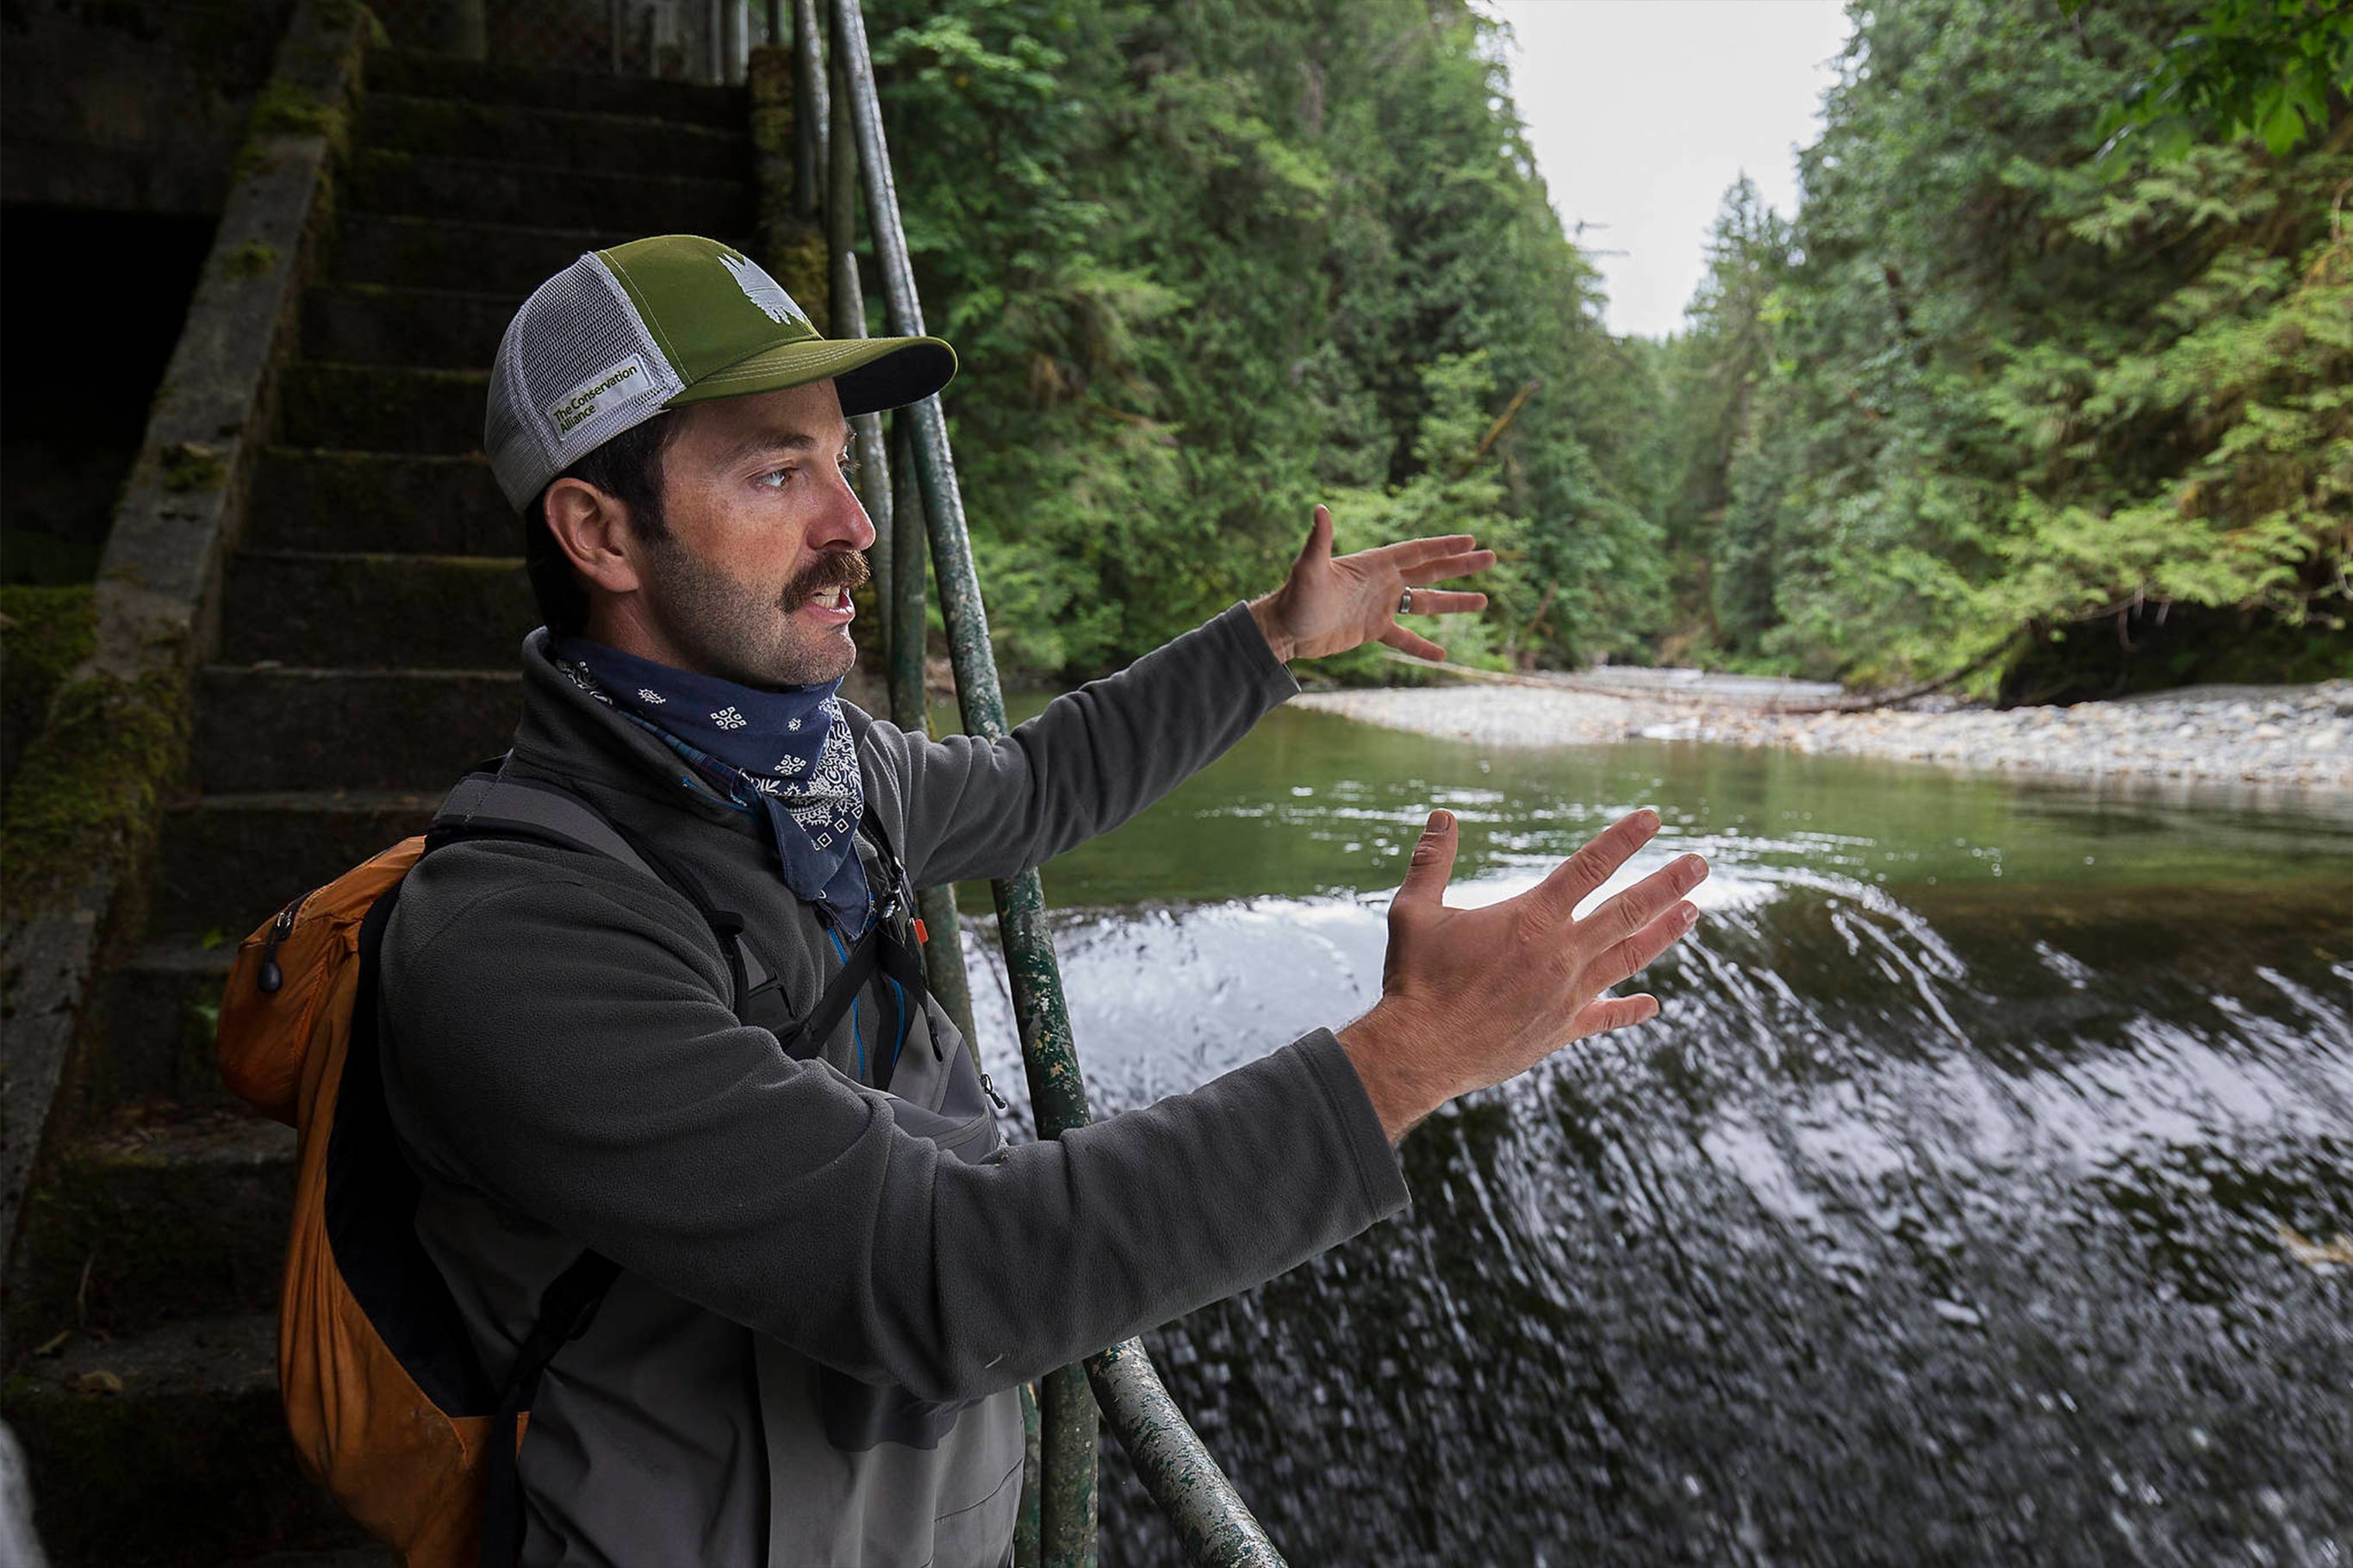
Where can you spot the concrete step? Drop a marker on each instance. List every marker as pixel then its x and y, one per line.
pixel 490 258
pixel 156 1015
pixel 167 1449
pixel 480 190
pixel 160 1213
pixel 261 727
pixel 373 323
pixel 383 408
pixel 228 862
pixel 418 73
pixel 361 612
pixel 388 501
pixel 602 143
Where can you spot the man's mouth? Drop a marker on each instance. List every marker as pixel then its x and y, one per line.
pixel 831 605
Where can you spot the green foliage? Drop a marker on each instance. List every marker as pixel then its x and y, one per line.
pixel 2247 68
pixel 1710 378
pixel 2006 388
pixel 86 789
pixel 1453 490
pixel 1208 264
pixel 2006 374
pixel 44 632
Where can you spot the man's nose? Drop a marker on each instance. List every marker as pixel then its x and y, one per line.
pixel 844 520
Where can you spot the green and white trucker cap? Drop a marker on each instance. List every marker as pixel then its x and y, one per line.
pixel 621 334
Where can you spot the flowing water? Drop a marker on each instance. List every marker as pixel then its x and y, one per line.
pixel 1973 1200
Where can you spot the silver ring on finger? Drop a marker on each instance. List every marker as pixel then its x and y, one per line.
pixel 1405 603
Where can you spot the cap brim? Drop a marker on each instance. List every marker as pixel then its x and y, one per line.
pixel 870 373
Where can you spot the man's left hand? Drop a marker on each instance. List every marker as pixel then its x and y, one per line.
pixel 1329 604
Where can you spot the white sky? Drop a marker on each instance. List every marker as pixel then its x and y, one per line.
pixel 1641 112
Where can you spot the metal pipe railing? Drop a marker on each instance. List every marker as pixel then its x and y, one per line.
pixel 809 110
pixel 943 965
pixel 846 318
pixel 1211 1521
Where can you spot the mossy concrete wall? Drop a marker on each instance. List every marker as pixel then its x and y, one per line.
pixel 45 634
pixel 81 813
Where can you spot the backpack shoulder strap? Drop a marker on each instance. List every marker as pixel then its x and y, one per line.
pixel 487 805
pixel 490 805
pixel 567 1309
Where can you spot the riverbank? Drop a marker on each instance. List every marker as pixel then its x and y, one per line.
pixel 2295 735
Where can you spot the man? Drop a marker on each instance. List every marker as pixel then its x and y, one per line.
pixel 834 1272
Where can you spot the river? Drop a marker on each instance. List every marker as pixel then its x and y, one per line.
pixel 1973 1200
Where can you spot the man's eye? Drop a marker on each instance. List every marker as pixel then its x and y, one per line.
pixel 777 474
pixel 848 467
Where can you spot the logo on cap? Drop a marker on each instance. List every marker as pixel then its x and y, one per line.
pixel 585 401
pixel 762 290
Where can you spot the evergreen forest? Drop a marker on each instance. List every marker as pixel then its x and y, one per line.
pixel 2046 390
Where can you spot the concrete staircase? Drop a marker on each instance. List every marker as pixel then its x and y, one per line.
pixel 370 623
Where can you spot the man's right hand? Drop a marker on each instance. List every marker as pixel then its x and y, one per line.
pixel 1470 997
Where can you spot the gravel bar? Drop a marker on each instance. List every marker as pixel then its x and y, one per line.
pixel 2298 735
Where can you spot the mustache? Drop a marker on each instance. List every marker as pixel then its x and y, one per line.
pixel 834 568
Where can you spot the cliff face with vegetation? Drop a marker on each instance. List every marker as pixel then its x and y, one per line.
pixel 1994 401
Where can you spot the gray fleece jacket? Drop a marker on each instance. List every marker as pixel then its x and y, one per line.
pixel 829 1292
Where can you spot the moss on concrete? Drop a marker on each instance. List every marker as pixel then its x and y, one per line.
pixel 281 108
pixel 87 788
pixel 44 632
pixel 292 108
pixel 797 259
pixel 251 260
pixel 371 34
pixel 192 465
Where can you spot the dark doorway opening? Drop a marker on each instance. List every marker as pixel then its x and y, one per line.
pixel 92 303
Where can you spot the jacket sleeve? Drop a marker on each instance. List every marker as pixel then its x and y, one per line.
pixel 1094 758
pixel 605 1088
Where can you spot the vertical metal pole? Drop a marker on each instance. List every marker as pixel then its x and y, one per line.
pixel 1066 1465
pixel 1027 1548
pixel 775 23
pixel 944 964
pixel 1211 1519
pixel 735 37
pixel 809 110
pixel 467 26
pixel 1057 1092
pixel 846 318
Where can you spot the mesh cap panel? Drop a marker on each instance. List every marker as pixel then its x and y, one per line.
pixel 575 368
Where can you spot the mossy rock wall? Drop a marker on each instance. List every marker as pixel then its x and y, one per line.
pixel 43 633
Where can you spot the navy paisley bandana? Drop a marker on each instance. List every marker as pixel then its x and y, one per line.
pixel 786 754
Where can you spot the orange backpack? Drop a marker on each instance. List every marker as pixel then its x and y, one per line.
pixel 386 1404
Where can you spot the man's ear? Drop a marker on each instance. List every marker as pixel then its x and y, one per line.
pixel 593 530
